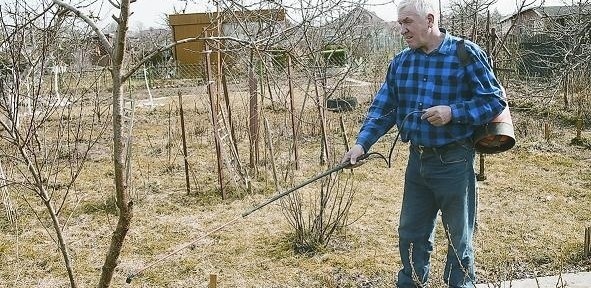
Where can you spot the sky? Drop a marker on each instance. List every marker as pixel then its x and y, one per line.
pixel 151 13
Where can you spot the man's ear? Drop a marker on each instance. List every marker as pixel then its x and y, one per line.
pixel 430 20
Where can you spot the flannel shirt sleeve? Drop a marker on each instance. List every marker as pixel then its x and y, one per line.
pixel 488 99
pixel 381 115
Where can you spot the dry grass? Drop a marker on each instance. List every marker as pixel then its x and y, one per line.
pixel 533 209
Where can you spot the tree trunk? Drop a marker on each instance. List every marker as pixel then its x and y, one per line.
pixel 123 200
pixel 124 204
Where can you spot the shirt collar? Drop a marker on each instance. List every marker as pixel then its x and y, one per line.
pixel 445 47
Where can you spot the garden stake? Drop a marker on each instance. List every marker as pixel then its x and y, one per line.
pixel 345 165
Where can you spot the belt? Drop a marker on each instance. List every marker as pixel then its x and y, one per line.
pixel 456 144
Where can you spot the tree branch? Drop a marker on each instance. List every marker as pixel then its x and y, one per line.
pixel 102 38
pixel 23 26
pixel 115 4
pixel 154 53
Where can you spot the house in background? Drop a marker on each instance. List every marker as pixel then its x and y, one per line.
pixel 544 35
pixel 364 33
pixel 538 20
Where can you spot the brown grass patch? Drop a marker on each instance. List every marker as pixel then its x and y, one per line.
pixel 533 209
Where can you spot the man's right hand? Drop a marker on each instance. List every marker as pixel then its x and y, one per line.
pixel 353 153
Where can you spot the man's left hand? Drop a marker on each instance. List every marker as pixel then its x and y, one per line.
pixel 437 115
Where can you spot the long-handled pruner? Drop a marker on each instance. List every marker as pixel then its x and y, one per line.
pixel 345 165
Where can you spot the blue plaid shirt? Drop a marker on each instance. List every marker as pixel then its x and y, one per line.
pixel 416 81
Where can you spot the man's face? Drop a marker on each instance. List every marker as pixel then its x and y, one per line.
pixel 414 28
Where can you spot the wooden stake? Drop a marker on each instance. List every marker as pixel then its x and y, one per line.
pixel 168 143
pixel 587 248
pixel 253 119
pixel 270 91
pixel 319 105
pixel 271 153
pixel 345 138
pixel 579 128
pixel 213 281
pixel 229 109
pixel 488 36
pixel 547 131
pixel 481 176
pixel 211 90
pixel 565 91
pixel 187 182
pixel 292 110
pixel 261 81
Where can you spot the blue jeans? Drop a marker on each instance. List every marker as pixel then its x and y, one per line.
pixel 438 180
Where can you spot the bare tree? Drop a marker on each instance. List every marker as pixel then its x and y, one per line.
pixel 47 132
pixel 120 70
pixel 468 18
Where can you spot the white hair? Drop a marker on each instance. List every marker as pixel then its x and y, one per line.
pixel 423 7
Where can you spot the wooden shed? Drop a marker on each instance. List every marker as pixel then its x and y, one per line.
pixel 215 24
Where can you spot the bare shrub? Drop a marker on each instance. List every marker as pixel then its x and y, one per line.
pixel 317 216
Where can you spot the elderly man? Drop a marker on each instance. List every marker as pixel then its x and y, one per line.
pixel 436 103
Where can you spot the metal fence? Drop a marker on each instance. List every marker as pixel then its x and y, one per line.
pixel 99 79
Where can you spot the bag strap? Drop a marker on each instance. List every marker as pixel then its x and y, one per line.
pixel 465 59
